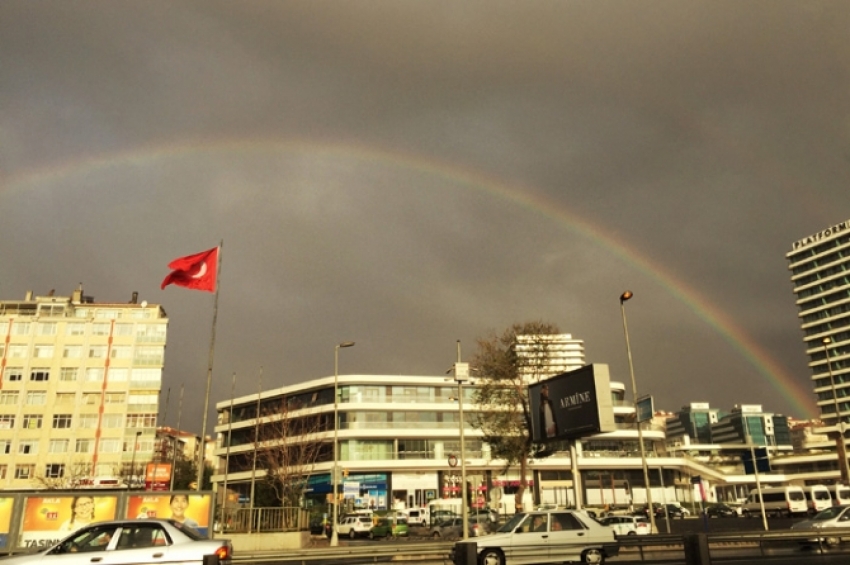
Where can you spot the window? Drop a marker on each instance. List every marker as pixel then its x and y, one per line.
pixel 17 351
pixel 47 328
pixel 58 446
pixel 150 333
pixel 75 328
pixel 97 352
pixel 87 421
pixel 66 397
pixel 13 374
pixel 91 398
pixel 28 447
pixel 143 399
pixel 149 355
pixel 7 422
pixel 32 421
pixel 113 421
pixel 100 328
pixel 9 397
pixel 3 470
pixel 72 351
pixel 20 328
pixel 2 350
pixel 123 330
pixel 141 420
pixel 107 314
pixel 121 352
pixel 110 446
pixel 5 446
pixel 84 446
pixel 118 374
pixel 54 470
pixel 114 398
pixel 40 375
pixel 146 375
pixel 37 398
pixel 68 374
pixel 42 351
pixel 24 471
pixel 61 421
pixel 94 374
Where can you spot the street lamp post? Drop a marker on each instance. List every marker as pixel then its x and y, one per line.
pixel 133 460
pixel 649 508
pixel 840 448
pixel 334 472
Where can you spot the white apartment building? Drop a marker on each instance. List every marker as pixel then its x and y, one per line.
pixel 79 394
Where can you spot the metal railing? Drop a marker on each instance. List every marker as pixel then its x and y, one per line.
pixel 264 520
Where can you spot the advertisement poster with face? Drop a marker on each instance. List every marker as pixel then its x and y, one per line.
pixel 50 518
pixel 191 510
pixel 5 520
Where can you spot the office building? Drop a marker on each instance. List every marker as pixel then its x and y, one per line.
pixel 820 273
pixel 79 394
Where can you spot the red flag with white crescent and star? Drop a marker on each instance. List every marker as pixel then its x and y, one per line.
pixel 197 271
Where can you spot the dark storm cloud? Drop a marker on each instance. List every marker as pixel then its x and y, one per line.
pixel 356 157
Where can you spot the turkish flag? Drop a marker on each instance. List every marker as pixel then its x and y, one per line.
pixel 196 271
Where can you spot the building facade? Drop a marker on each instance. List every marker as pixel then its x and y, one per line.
pixel 79 394
pixel 820 273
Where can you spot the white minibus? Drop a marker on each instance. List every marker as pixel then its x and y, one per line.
pixel 817 498
pixel 778 501
pixel 840 494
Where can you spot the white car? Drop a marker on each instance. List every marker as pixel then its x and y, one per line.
pixel 543 537
pixel 355 526
pixel 125 542
pixel 627 525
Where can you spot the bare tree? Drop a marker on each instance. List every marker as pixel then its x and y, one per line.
pixel 507 363
pixel 288 447
pixel 69 475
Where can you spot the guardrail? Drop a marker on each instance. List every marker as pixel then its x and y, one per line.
pixel 658 549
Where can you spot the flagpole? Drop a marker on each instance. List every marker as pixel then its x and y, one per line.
pixel 256 441
pixel 224 517
pixel 202 450
pixel 174 440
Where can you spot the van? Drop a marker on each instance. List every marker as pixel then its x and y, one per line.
pixel 778 501
pixel 817 498
pixel 416 516
pixel 840 494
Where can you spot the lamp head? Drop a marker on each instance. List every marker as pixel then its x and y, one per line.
pixel 626 296
pixel 826 340
pixel 346 344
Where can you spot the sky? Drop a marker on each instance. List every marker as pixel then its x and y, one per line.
pixel 405 175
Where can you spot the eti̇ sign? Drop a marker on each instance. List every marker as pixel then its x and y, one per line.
pixel 571 405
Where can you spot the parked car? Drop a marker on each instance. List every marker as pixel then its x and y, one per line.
pixel 673 510
pixel 354 526
pixel 122 542
pixel 627 525
pixel 544 537
pixel 389 527
pixel 720 510
pixel 822 522
pixel 453 528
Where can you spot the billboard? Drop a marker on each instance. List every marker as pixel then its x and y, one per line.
pixel 6 505
pixel 47 519
pixel 572 405
pixel 158 476
pixel 192 510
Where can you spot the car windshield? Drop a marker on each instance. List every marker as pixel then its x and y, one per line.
pixel 827 514
pixel 511 524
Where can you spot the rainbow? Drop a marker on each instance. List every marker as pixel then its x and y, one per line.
pixel 798 397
